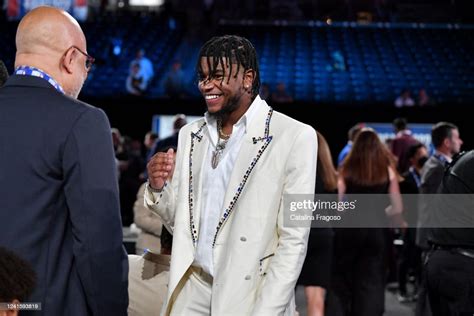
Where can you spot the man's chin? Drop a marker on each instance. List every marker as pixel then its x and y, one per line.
pixel 215 113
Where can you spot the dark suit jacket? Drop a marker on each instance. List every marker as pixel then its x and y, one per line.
pixel 454 210
pixel 59 204
pixel 431 177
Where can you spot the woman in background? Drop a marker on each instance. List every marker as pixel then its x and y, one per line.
pixel 359 253
pixel 315 275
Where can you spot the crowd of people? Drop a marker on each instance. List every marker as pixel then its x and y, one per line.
pixel 405 99
pixel 209 199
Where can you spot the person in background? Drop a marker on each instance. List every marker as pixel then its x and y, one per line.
pixel 316 272
pixel 447 142
pixel 149 223
pixel 401 143
pixel 338 61
pixel 149 277
pixel 410 256
pixel 265 91
pixel 424 99
pixel 175 83
pixel 146 66
pixel 170 141
pixel 351 135
pixel 136 83
pixel 17 280
pixel 404 99
pixel 359 253
pixel 151 138
pixel 450 263
pixel 281 95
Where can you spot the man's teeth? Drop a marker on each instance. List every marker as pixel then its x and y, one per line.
pixel 212 96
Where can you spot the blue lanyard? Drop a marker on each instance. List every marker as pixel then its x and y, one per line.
pixel 416 177
pixel 35 72
pixel 442 159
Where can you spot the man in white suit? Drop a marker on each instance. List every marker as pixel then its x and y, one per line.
pixel 232 253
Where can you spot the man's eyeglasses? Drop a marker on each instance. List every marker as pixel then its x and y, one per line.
pixel 89 59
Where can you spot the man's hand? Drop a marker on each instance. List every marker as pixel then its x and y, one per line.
pixel 160 168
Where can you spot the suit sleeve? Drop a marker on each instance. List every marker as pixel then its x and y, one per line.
pixel 164 203
pixel 92 197
pixel 285 267
pixel 144 218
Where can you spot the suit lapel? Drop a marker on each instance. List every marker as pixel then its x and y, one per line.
pixel 197 154
pixel 254 144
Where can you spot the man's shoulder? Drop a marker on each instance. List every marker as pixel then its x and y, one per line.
pixel 283 123
pixel 433 163
pixel 432 171
pixel 78 108
pixel 40 96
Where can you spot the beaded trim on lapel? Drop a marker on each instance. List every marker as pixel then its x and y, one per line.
pixel 192 226
pixel 266 139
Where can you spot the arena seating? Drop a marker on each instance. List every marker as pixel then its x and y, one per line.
pixel 378 60
pixel 134 31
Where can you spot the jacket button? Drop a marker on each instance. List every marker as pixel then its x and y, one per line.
pixel 247 277
pixel 243 238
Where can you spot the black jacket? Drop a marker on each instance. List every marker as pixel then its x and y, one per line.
pixel 59 202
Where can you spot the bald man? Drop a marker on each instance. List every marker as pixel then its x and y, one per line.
pixel 59 204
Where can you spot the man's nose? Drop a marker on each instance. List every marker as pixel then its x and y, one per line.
pixel 207 85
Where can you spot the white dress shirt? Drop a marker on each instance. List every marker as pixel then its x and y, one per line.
pixel 215 182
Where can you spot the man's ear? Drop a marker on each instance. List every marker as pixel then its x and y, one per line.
pixel 68 60
pixel 249 77
pixel 447 142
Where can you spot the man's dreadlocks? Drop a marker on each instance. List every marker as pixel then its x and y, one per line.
pixel 237 50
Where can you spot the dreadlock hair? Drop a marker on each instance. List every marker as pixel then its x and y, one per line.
pixel 238 50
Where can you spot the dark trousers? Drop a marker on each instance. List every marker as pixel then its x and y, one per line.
pixel 359 272
pixel 450 282
pixel 410 259
pixel 423 307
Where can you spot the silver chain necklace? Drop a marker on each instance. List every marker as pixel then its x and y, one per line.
pixel 221 143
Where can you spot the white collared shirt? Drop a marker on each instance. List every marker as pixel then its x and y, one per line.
pixel 215 182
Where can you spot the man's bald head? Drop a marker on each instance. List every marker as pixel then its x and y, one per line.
pixel 51 39
pixel 47 29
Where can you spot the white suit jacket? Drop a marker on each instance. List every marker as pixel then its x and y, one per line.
pixel 257 260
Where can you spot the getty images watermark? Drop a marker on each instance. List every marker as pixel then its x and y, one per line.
pixel 300 210
pixel 376 210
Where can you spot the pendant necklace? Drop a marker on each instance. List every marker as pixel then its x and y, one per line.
pixel 221 143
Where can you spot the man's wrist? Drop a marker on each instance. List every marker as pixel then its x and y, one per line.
pixel 152 189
